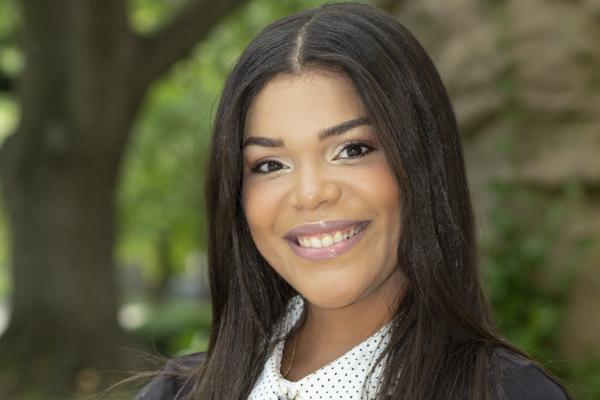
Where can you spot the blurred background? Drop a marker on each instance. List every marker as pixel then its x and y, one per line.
pixel 105 112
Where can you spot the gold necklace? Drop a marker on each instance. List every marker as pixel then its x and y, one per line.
pixel 293 353
pixel 284 392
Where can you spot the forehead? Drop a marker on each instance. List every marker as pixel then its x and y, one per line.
pixel 300 103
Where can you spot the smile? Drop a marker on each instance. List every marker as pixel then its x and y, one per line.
pixel 326 240
pixel 327 245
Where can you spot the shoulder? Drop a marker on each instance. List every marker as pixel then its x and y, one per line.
pixel 172 382
pixel 524 380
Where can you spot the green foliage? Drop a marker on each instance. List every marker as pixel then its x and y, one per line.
pixel 176 327
pixel 9 114
pixel 527 295
pixel 11 56
pixel 584 379
pixel 527 287
pixel 162 189
pixel 147 16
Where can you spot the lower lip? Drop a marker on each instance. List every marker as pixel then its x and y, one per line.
pixel 330 252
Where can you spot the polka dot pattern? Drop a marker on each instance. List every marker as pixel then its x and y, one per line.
pixel 342 378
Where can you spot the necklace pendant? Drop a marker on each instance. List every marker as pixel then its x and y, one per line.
pixel 285 394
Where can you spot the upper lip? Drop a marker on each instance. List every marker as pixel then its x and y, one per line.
pixel 321 227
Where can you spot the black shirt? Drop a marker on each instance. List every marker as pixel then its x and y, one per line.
pixel 522 380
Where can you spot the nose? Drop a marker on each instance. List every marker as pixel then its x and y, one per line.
pixel 313 187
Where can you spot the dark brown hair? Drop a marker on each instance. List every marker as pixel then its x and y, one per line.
pixel 443 330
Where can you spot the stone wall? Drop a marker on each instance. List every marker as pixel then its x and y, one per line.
pixel 524 79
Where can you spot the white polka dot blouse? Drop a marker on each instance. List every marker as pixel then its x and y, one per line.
pixel 343 378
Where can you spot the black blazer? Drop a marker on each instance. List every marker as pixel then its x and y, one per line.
pixel 522 380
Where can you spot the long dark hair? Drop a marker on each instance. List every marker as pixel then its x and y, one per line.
pixel 443 340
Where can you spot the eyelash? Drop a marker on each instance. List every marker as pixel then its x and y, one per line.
pixel 369 148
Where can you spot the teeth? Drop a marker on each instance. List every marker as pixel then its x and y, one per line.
pixel 338 237
pixel 314 242
pixel 327 240
pixel 319 242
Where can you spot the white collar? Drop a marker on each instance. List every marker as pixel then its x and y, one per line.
pixel 341 378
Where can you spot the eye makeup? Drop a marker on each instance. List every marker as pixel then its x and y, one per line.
pixel 353 149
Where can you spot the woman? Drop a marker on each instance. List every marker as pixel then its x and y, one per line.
pixel 341 238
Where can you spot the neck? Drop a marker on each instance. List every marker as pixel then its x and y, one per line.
pixel 329 333
pixel 339 329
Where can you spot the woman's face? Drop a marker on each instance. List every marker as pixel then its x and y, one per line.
pixel 320 199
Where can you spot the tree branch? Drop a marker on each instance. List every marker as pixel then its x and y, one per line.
pixel 175 41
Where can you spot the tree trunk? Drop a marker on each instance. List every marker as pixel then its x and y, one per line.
pixel 86 74
pixel 59 175
pixel 64 311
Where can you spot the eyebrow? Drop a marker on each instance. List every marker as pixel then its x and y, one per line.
pixel 335 130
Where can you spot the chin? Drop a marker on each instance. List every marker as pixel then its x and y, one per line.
pixel 330 298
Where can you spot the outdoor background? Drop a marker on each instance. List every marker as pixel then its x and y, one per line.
pixel 105 112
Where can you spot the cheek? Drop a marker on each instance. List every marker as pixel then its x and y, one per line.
pixel 384 195
pixel 385 189
pixel 379 187
pixel 260 204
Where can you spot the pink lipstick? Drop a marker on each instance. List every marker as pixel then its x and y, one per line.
pixel 310 234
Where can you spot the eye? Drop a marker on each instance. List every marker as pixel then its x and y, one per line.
pixel 355 150
pixel 266 166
